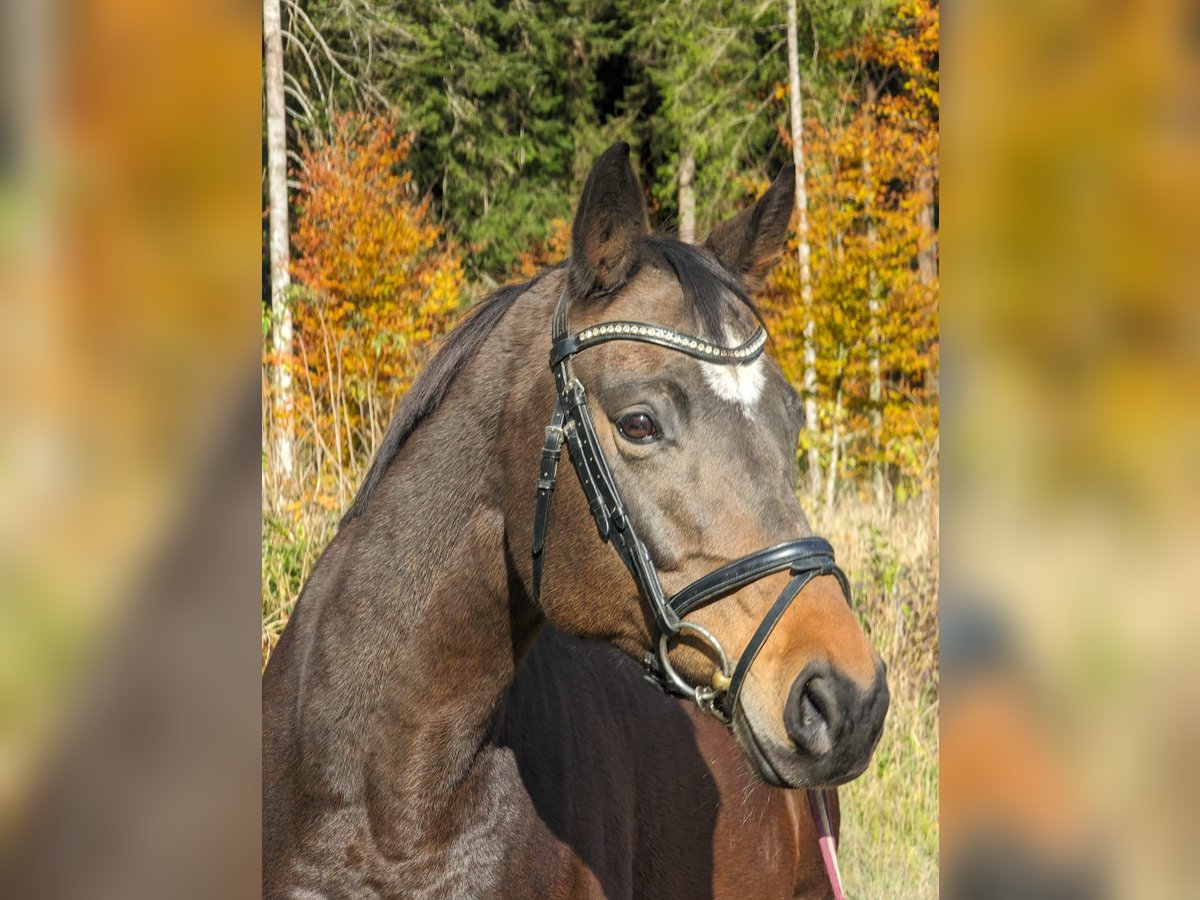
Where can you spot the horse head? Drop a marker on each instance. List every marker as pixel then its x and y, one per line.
pixel 687 465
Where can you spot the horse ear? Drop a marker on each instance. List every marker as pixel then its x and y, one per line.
pixel 749 244
pixel 610 219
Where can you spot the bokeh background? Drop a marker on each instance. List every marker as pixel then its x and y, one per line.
pixel 129 487
pixel 1071 225
pixel 132 460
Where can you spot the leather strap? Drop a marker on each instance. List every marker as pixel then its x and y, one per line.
pixel 748 569
pixel 805 572
pixel 551 453
pixel 608 510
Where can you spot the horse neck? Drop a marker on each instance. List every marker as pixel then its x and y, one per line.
pixel 434 621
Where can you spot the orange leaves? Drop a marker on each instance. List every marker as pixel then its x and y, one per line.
pixel 911 48
pixel 377 285
pixel 871 198
pixel 359 230
pixel 553 249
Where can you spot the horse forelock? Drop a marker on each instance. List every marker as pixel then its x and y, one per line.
pixel 709 290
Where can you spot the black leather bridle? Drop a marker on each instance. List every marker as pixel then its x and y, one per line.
pixel 571 422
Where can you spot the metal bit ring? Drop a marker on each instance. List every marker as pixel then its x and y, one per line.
pixel 704 696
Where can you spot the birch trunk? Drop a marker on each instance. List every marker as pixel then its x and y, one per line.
pixel 811 423
pixel 281 316
pixel 835 439
pixel 927 260
pixel 927 256
pixel 687 196
pixel 874 310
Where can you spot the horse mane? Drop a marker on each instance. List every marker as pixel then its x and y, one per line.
pixel 433 382
pixel 706 287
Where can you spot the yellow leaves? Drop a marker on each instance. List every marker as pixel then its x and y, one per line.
pixel 378 285
pixel 870 182
pixel 358 235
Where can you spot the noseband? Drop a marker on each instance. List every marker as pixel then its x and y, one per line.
pixel 571 422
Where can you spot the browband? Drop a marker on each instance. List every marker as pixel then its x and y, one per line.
pixel 743 354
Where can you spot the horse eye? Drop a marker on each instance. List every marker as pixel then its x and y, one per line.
pixel 638 427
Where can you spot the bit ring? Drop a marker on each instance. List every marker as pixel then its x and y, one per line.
pixel 704 696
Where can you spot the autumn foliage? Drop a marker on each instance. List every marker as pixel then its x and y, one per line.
pixel 871 179
pixel 376 285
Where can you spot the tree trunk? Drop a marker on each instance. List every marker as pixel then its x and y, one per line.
pixel 803 250
pixel 927 255
pixel 281 316
pixel 687 196
pixel 874 310
pixel 835 439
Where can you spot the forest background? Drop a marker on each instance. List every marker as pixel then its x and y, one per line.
pixel 418 155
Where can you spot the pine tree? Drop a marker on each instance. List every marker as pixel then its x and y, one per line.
pixel 700 80
pixel 503 101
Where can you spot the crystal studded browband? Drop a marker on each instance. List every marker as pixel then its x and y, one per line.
pixel 743 354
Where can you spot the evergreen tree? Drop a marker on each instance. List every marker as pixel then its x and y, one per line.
pixel 504 100
pixel 701 77
pixel 511 102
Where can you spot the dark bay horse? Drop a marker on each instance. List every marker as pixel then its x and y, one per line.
pixel 400 758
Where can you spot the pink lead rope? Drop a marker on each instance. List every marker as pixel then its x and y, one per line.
pixel 820 814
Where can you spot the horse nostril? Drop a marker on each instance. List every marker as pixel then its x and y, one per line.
pixel 813 715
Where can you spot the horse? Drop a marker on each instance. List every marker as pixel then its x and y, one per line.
pixel 389 766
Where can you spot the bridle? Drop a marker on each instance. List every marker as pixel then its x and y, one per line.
pixel 571 422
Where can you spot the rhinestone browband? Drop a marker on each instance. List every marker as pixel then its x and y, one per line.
pixel 743 354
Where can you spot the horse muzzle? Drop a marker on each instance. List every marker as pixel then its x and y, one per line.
pixel 831 726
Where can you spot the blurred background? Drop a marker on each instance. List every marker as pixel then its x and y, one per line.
pixel 167 444
pixel 1071 186
pixel 129 487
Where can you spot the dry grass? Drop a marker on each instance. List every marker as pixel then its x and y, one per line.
pixel 890 815
pixel 291 542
